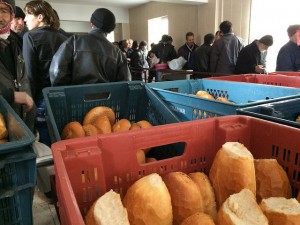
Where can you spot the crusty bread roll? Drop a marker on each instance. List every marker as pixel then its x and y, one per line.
pixel 232 170
pixel 298 119
pixel 221 99
pixel 148 202
pixel 198 219
pixel 271 180
pixel 107 210
pixel 143 124
pixel 134 126
pixel 3 128
pixel 140 155
pixel 281 211
pixel 90 130
pixel 205 94
pixel 150 159
pixel 103 125
pixel 72 130
pixel 185 196
pixel 91 116
pixel 206 192
pixel 121 125
pixel 241 209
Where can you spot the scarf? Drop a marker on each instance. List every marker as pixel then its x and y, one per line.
pixel 6 30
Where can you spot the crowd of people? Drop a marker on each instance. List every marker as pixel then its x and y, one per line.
pixel 36 53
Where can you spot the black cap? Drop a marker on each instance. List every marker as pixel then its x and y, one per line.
pixel 267 40
pixel 104 19
pixel 19 13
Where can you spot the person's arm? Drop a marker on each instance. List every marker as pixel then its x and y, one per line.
pixel 60 71
pixel 24 99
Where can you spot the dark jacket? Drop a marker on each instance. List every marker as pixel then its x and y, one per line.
pixel 165 52
pixel 15 78
pixel 39 46
pixel 88 59
pixel 187 53
pixel 288 58
pixel 202 58
pixel 225 53
pixel 249 57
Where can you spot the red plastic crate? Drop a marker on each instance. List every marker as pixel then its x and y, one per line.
pixel 88 167
pixel 276 79
pixel 286 73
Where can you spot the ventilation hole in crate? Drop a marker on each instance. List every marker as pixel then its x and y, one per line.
pixel 97 191
pixel 294 192
pixel 297 159
pixel 294 175
pixel 90 194
pixel 284 154
pixel 82 177
pixel 84 195
pixel 88 178
pixel 288 155
pixel 116 179
pixel 96 174
pixel 273 150
pixel 120 180
pixel 277 151
pixel 298 177
pixel 286 170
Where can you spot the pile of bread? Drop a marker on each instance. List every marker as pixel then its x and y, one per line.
pixel 100 120
pixel 240 190
pixel 3 130
pixel 205 94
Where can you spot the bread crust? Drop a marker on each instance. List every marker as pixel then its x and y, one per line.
pixel 232 170
pixel 271 180
pixel 121 126
pixel 3 128
pixel 92 115
pixel 90 130
pixel 103 125
pixel 204 94
pixel 72 130
pixel 185 196
pixel 198 219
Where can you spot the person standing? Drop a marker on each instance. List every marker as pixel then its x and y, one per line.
pixel 14 84
pixel 202 54
pixel 18 23
pixel 39 45
pixel 225 51
pixel 288 58
pixel 252 58
pixel 90 58
pixel 186 50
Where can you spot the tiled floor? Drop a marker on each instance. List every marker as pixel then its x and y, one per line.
pixel 43 211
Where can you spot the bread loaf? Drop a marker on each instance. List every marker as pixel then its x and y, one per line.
pixel 90 130
pixel 103 125
pixel 143 124
pixel 222 99
pixel 271 180
pixel 72 130
pixel 281 211
pixel 232 170
pixel 241 209
pixel 205 94
pixel 121 125
pixel 198 219
pixel 148 202
pixel 140 155
pixel 3 128
pixel 206 192
pixel 91 116
pixel 185 196
pixel 107 210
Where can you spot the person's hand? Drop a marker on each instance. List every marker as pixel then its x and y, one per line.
pixel 24 99
pixel 260 69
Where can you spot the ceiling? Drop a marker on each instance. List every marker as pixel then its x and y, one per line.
pixel 126 3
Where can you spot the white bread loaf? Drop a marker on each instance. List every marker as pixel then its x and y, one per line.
pixel 185 196
pixel 241 209
pixel 148 202
pixel 198 219
pixel 206 192
pixel 232 170
pixel 281 211
pixel 271 180
pixel 107 210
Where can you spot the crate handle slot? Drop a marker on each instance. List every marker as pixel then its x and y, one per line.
pixel 96 96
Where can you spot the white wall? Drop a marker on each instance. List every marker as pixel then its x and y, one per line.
pixel 71 15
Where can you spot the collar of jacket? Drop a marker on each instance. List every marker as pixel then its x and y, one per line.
pixel 97 31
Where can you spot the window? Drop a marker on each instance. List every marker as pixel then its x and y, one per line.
pixel 273 17
pixel 156 28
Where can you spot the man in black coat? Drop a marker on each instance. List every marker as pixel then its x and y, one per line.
pixel 252 58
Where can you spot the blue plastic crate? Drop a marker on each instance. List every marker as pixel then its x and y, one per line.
pixel 131 100
pixel 283 112
pixel 177 95
pixel 20 137
pixel 17 169
pixel 16 206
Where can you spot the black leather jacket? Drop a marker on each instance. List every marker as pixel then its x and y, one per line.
pixel 16 81
pixel 88 59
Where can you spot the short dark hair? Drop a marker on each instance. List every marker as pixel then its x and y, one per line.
pixel 189 34
pixel 226 27
pixel 209 38
pixel 292 29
